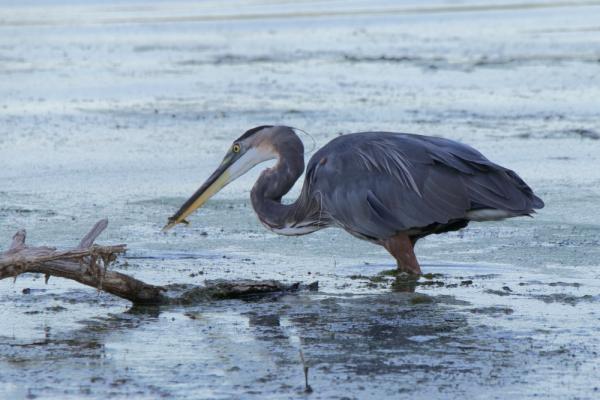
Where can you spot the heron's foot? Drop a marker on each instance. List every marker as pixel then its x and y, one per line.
pixel 410 270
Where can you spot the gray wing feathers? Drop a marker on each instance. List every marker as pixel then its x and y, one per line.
pixel 389 159
pixel 378 184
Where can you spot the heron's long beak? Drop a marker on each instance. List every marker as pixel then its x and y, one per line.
pixel 232 167
pixel 213 184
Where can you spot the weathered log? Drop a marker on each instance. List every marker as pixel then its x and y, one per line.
pixel 88 264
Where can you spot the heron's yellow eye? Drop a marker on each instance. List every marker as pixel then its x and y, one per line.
pixel 236 148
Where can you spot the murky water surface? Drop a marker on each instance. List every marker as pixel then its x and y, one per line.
pixel 121 109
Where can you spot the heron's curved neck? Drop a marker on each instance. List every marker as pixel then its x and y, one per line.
pixel 275 182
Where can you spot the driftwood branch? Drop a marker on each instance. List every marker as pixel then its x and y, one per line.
pixel 89 263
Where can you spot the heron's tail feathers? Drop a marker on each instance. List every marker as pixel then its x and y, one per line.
pixel 534 201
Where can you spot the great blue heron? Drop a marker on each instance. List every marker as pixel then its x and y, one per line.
pixel 388 188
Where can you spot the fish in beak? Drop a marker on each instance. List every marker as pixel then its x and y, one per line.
pixel 235 164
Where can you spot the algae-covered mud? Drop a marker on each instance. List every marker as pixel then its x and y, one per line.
pixel 121 109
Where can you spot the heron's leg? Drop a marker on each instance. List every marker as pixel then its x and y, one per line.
pixel 413 240
pixel 401 247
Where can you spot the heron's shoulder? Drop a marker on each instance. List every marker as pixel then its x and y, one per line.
pixel 350 144
pixel 348 152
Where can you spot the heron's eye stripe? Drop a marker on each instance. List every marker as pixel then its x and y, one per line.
pixel 236 148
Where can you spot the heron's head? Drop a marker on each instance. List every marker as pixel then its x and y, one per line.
pixel 253 147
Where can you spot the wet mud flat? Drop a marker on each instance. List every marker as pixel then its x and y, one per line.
pixel 478 338
pixel 120 110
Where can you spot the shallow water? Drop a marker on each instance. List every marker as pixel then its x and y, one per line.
pixel 121 109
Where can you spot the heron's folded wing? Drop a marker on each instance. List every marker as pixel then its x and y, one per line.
pixel 378 185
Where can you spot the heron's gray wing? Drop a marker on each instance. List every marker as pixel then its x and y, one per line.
pixel 378 184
